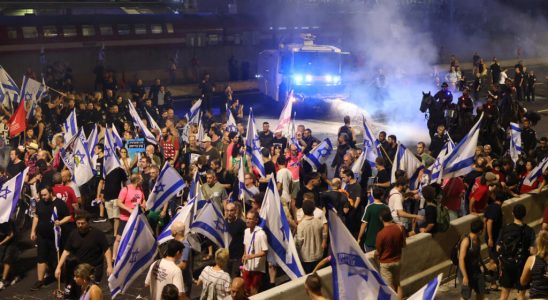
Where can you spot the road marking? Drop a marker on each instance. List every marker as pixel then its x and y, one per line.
pixel 542 110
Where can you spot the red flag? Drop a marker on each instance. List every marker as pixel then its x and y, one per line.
pixel 18 121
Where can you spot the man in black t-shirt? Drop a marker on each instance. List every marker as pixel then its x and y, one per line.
pixel 311 183
pixel 266 136
pixel 15 165
pixel 269 169
pixel 113 184
pixel 430 210
pixel 84 245
pixel 515 244
pixel 42 232
pixel 236 228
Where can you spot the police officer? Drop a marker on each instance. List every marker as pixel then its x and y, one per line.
pixel 444 96
pixel 528 136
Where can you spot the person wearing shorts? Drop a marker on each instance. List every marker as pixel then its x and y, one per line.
pixel 114 182
pixel 255 250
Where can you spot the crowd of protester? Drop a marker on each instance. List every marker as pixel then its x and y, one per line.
pixel 379 212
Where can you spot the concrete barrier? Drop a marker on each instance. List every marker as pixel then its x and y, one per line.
pixel 425 255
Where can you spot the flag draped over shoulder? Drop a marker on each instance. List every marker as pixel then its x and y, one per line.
pixel 318 156
pixel 211 224
pixel 459 162
pixel 137 251
pixel 253 146
pixel 281 245
pixel 515 142
pixel 10 192
pixel 167 185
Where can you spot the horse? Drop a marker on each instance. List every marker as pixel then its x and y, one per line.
pixel 434 112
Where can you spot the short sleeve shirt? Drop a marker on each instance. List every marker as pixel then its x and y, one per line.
pixel 371 216
pixel 255 242
pixel 131 197
pixel 395 203
pixel 161 274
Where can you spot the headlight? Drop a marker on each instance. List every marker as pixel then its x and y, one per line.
pixel 298 78
pixel 328 78
pixel 337 79
pixel 308 78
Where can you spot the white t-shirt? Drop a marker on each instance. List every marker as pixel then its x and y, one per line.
pixel 503 77
pixel 165 273
pixel 395 203
pixel 255 242
pixel 318 214
pixel 284 177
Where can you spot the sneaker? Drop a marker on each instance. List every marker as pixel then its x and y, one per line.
pixel 2 285
pixel 15 280
pixel 37 285
pixel 100 220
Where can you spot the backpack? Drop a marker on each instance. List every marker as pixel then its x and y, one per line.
pixel 209 292
pixel 512 246
pixel 442 218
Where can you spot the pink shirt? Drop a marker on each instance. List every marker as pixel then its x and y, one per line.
pixel 294 165
pixel 130 196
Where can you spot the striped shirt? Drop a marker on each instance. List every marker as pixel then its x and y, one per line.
pixel 220 278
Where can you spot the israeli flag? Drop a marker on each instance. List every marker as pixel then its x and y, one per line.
pixel 318 156
pixel 201 132
pixel 370 144
pixel 9 88
pixel 32 91
pixel 353 275
pixel 281 244
pixel 117 138
pixel 292 135
pixel 137 251
pixel 56 229
pixel 407 161
pixel 83 170
pixel 459 162
pixel 515 142
pixel 70 127
pixel 194 114
pixel 93 140
pixel 230 121
pixel 436 170
pixel 139 123
pixel 358 164
pixel 110 160
pixel 10 193
pixel 168 184
pixel 536 172
pixel 429 291
pixel 152 122
pixel 285 115
pixel 211 224
pixel 184 215
pixel 253 146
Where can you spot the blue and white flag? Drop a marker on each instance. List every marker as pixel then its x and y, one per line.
pixel 428 292
pixel 32 91
pixel 358 164
pixel 117 138
pixel 436 170
pixel 9 88
pixel 200 135
pixel 515 142
pixel 194 114
pixel 230 121
pixel 292 135
pixel 459 162
pixel 137 251
pixel 10 193
pixel 537 171
pixel 167 185
pixel 371 144
pixel 70 127
pixel 184 215
pixel 211 224
pixel 354 277
pixel 253 146
pixel 83 169
pixel 110 160
pixel 152 122
pixel 56 229
pixel 370 198
pixel 318 156
pixel 139 123
pixel 93 140
pixel 407 161
pixel 281 244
